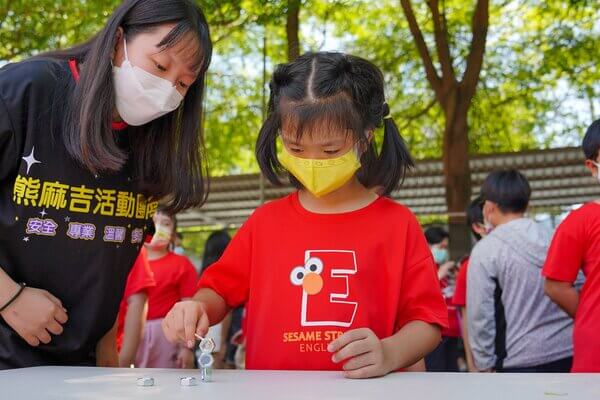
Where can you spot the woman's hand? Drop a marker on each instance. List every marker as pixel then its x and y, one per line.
pixel 362 353
pixel 36 315
pixel 106 349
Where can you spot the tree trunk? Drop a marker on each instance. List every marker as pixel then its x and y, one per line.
pixel 291 28
pixel 457 172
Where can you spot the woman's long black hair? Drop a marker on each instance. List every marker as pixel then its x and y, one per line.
pixel 167 153
pixel 335 92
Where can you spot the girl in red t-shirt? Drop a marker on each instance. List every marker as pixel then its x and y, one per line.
pixel 335 276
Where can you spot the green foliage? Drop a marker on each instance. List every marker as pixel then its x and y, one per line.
pixel 538 87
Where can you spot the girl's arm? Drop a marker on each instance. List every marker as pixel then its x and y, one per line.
pixel 366 356
pixel 133 330
pixel 193 317
pixel 563 294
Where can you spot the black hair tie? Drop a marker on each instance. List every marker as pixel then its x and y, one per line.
pixel 385 111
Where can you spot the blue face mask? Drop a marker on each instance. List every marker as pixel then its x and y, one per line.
pixel 179 250
pixel 440 256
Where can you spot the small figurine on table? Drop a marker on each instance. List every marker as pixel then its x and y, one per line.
pixel 206 359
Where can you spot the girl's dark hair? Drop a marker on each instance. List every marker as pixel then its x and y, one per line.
pixel 509 189
pixel 436 235
pixel 591 141
pixel 167 152
pixel 475 215
pixel 339 93
pixel 214 247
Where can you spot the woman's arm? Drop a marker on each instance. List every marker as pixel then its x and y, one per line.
pixel 106 349
pixel 35 314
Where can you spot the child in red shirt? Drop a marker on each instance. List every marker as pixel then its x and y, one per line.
pixel 575 247
pixel 133 309
pixel 334 276
pixel 445 357
pixel 176 279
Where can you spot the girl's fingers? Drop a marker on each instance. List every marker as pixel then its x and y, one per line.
pixel 347 338
pixel 353 349
pixel 359 362
pixel 370 371
pixel 167 329
pixel 203 325
pixel 190 322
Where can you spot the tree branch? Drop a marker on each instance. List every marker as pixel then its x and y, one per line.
pixel 291 27
pixel 475 59
pixel 440 32
pixel 415 30
pixel 411 118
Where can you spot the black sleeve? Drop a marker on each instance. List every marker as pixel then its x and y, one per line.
pixel 9 148
pixel 26 95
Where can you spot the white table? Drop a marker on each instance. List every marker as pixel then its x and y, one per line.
pixel 106 383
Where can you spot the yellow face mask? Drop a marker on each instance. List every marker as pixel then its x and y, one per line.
pixel 320 177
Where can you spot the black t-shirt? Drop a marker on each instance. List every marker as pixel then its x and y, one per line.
pixel 62 229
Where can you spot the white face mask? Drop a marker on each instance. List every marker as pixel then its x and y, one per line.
pixel 161 237
pixel 142 97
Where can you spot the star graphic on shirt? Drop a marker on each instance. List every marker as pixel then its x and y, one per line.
pixel 26 239
pixel 43 213
pixel 30 160
pixel 67 219
pixel 118 246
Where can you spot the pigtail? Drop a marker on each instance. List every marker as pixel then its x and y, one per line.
pixel 394 160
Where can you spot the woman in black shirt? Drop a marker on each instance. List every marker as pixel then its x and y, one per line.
pixel 90 139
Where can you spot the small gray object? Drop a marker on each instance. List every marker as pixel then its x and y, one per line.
pixel 206 360
pixel 206 374
pixel 188 381
pixel 207 345
pixel 145 381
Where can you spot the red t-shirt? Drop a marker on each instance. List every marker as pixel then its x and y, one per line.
pixel 176 278
pixel 140 279
pixel 307 278
pixel 460 290
pixel 453 329
pixel 575 246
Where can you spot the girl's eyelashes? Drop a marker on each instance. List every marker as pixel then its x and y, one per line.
pixel 295 150
pixel 330 152
pixel 160 67
pixel 183 85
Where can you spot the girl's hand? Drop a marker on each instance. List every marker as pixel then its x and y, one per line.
pixel 446 269
pixel 35 315
pixel 362 353
pixel 185 320
pixel 185 358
